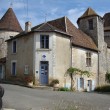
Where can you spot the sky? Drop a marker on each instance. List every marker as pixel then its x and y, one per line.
pixel 37 11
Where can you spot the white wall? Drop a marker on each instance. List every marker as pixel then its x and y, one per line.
pixel 58 55
pixel 40 52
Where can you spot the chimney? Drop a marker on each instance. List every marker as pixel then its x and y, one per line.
pixel 28 26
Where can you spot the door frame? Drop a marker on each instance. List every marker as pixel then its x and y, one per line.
pixel 90 85
pixel 45 62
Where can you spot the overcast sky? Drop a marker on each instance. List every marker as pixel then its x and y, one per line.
pixel 37 9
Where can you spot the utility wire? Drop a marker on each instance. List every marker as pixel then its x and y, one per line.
pixel 27 10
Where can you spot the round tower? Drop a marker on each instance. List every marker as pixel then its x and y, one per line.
pixel 9 26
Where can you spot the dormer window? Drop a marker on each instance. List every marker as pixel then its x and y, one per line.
pixel 14 47
pixel 90 22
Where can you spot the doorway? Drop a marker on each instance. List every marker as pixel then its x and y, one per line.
pixel 44 72
pixel 90 85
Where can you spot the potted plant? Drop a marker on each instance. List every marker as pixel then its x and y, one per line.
pixel 54 83
pixel 29 80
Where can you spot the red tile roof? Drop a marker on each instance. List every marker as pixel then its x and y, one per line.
pixel 9 22
pixel 64 26
pixel 79 37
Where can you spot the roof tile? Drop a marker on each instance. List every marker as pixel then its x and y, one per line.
pixel 9 22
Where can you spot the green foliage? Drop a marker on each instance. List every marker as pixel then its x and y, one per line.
pixel 75 71
pixel 53 82
pixel 72 70
pixel 63 89
pixel 86 73
pixel 104 88
pixel 107 77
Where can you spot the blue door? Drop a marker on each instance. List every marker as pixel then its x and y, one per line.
pixel 44 73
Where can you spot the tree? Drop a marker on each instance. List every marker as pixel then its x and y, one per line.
pixel 75 71
pixel 72 72
pixel 107 77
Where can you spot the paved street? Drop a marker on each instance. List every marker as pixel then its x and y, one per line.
pixel 22 98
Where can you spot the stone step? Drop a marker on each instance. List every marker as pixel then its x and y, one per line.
pixel 43 87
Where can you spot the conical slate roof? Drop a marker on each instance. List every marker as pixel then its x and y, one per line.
pixel 9 22
pixel 88 12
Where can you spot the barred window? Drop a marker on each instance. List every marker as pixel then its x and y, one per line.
pixel 88 58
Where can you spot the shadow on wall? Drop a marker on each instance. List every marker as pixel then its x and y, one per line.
pixel 1 95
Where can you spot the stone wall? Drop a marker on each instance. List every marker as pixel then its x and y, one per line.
pixel 108 60
pixel 79 61
pixel 84 26
pixel 102 46
pixel 23 57
pixel 5 35
pixel 97 34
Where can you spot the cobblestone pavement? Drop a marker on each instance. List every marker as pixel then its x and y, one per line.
pixel 22 98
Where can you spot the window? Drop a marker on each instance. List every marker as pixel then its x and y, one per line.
pixel 90 24
pixel 14 47
pixel 44 41
pixel 88 58
pixel 13 70
pixel 26 69
pixel 81 83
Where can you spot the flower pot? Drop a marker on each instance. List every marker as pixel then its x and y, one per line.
pixel 56 85
pixel 30 84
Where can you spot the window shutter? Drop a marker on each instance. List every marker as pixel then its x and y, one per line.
pixel 85 84
pixel 93 85
pixel 78 84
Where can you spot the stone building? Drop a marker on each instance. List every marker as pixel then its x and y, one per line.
pixel 9 27
pixel 47 50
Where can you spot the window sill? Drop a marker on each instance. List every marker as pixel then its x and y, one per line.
pixel 13 53
pixel 43 49
pixel 88 66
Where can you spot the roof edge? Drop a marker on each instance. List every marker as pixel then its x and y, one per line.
pixel 85 47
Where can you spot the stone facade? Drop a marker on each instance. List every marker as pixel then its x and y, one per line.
pixel 64 51
pixel 97 35
pixel 29 48
pixel 5 35
pixel 23 57
pixel 79 61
